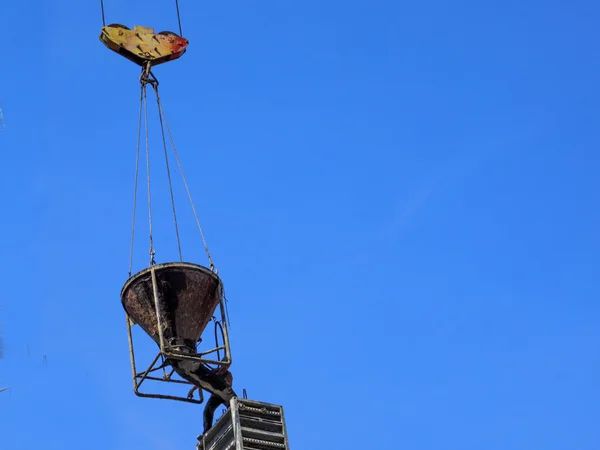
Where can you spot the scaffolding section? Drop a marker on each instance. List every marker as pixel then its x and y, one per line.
pixel 248 425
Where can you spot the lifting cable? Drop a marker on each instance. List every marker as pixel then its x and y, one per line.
pixel 187 189
pixel 162 130
pixel 102 7
pixel 152 251
pixel 176 7
pixel 146 78
pixel 178 17
pixel 135 184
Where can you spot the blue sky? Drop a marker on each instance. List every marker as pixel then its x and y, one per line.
pixel 411 185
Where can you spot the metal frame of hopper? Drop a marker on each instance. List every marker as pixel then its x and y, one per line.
pixel 168 352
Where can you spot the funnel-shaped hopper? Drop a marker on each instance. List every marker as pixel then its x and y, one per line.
pixel 188 295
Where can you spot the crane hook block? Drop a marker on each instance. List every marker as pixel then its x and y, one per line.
pixel 141 45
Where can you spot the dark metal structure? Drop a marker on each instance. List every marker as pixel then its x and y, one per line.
pixel 248 425
pixel 174 303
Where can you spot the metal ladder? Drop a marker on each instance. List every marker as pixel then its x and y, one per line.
pixel 248 425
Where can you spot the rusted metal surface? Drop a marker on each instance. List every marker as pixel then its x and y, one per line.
pixel 142 45
pixel 187 295
pixel 173 304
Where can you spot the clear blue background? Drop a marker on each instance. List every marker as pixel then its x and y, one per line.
pixel 401 197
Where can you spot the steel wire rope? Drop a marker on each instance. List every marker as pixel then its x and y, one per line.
pixel 176 7
pixel 102 8
pixel 212 266
pixel 178 18
pixel 135 186
pixel 162 130
pixel 152 251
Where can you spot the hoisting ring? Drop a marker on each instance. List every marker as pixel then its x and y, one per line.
pixel 147 77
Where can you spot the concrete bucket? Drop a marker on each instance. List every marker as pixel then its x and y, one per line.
pixel 187 296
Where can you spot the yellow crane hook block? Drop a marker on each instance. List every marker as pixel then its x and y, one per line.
pixel 141 45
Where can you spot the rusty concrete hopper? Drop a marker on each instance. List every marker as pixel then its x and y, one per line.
pixel 186 295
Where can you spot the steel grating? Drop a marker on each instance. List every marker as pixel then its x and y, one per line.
pixel 248 425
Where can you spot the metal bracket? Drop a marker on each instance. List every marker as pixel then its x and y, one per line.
pixel 142 45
